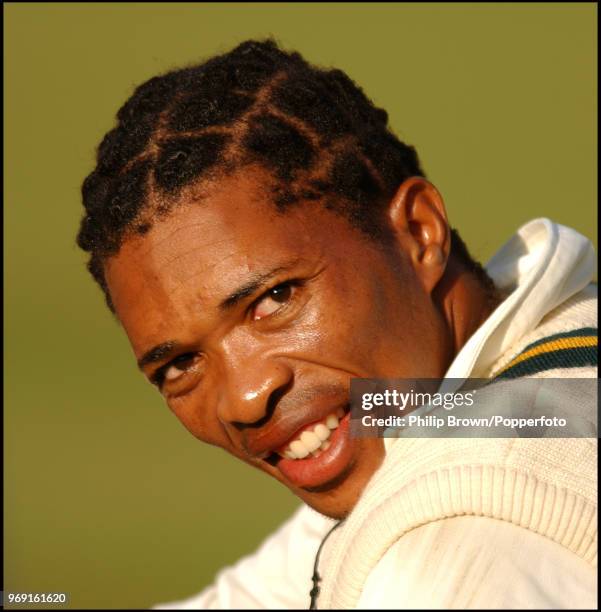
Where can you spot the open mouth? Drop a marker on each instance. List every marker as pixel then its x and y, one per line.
pixel 318 453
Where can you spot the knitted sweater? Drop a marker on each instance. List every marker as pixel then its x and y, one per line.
pixel 545 486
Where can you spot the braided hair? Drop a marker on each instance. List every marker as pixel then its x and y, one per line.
pixel 314 130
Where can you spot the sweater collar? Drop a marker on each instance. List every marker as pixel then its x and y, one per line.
pixel 541 266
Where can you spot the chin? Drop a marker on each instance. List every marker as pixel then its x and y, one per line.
pixel 337 498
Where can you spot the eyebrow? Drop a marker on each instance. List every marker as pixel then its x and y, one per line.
pixel 254 284
pixel 157 353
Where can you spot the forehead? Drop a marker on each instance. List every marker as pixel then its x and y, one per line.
pixel 210 245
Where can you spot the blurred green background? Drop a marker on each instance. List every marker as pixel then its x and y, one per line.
pixel 107 496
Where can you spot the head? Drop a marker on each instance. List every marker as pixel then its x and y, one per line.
pixel 263 237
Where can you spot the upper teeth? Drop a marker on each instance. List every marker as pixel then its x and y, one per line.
pixel 313 441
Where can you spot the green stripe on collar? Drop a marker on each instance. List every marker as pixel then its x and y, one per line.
pixel 573 349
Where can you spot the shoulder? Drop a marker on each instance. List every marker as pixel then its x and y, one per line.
pixel 478 562
pixel 563 344
pixel 539 490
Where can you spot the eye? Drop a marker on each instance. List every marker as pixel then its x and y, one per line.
pixel 272 300
pixel 174 369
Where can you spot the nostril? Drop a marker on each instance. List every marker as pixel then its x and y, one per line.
pixel 270 406
pixel 275 397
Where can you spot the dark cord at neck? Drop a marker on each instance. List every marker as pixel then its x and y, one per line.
pixel 314 593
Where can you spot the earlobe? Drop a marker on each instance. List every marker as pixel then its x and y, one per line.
pixel 433 256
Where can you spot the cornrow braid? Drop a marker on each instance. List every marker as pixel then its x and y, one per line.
pixel 314 130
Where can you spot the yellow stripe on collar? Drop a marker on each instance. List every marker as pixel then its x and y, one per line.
pixel 552 345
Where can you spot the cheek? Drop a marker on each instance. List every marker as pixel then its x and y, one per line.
pixel 356 314
pixel 341 324
pixel 190 410
pixel 371 321
pixel 206 428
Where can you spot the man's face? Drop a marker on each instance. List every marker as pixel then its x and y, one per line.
pixel 253 323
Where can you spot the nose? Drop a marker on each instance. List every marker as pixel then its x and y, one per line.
pixel 253 387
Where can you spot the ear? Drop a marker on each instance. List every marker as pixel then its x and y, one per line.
pixel 419 221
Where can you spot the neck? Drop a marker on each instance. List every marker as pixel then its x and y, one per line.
pixel 464 302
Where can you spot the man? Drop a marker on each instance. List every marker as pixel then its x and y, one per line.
pixel 263 238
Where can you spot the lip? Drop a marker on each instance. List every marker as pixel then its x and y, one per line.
pixel 279 433
pixel 331 463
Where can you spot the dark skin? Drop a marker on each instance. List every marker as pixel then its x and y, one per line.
pixel 267 316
